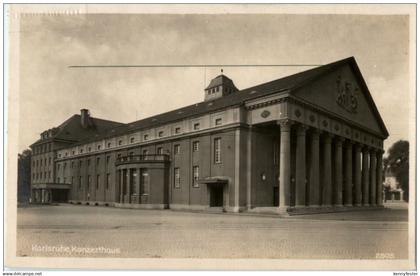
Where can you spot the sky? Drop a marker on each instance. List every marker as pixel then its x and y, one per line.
pixel 50 91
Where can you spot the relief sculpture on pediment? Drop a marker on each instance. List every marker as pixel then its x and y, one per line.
pixel 347 95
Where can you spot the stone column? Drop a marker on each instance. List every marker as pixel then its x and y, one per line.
pixel 301 166
pixel 249 169
pixel 138 185
pixel 357 175
pixel 121 186
pixel 379 187
pixel 327 173
pixel 348 177
pixel 365 176
pixel 128 177
pixel 314 189
pixel 284 174
pixel 338 171
pixel 373 173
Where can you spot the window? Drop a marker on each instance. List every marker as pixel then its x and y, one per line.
pixel 145 152
pixel 49 161
pixel 177 130
pixel 159 150
pixel 217 88
pixel 66 154
pixel 80 182
pixel 45 175
pixel 144 182
pixel 108 178
pixel 196 126
pixel 73 152
pixel 81 150
pixel 64 180
pixel 72 164
pixel 195 176
pixel 99 147
pixel 217 150
pixel 58 167
pixel 49 174
pixel 88 162
pixel 119 142
pixel 108 158
pixel 41 162
pixel 131 153
pixel 58 179
pixel 72 180
pixel 132 140
pixel 218 121
pixel 196 146
pixel 64 166
pixel 89 149
pixel 177 149
pixel 177 178
pixel 98 179
pixel 146 137
pixel 109 145
pixel 160 134
pixel 80 163
pixel 98 160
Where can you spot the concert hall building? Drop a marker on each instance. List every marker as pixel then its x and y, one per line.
pixel 309 141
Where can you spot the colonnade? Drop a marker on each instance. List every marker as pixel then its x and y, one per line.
pixel 128 185
pixel 330 170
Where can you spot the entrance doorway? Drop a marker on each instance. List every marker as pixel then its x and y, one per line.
pixel 216 196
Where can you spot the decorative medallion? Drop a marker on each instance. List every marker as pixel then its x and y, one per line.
pixel 347 94
pixel 297 113
pixel 265 113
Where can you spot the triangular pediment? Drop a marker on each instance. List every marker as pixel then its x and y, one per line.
pixel 343 91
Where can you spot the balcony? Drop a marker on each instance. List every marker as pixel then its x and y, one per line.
pixel 148 158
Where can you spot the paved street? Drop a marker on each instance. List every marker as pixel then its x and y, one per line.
pixel 88 231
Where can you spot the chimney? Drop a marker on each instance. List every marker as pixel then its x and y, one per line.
pixel 85 118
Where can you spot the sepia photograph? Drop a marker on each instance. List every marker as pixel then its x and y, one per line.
pixel 210 136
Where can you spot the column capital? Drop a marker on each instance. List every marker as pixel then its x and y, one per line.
pixel 358 146
pixel 327 137
pixel 339 139
pixel 365 149
pixel 315 131
pixel 373 151
pixel 301 129
pixel 285 124
pixel 349 143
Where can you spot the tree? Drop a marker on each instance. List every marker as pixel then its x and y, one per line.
pixel 397 164
pixel 24 176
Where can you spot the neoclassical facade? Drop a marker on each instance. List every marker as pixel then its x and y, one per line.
pixel 313 140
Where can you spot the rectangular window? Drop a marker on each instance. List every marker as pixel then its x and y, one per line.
pixel 98 160
pixel 160 134
pixel 177 149
pixel 108 179
pixel 98 179
pixel 88 162
pixel 196 174
pixel 72 180
pixel 64 180
pixel 144 182
pixel 49 161
pixel 146 137
pixel 132 140
pixel 217 150
pixel 177 178
pixel 58 179
pixel 72 164
pixel 196 126
pixel 196 146
pixel 218 121
pixel 49 174
pixel 159 150
pixel 108 158
pixel 80 163
pixel 58 167
pixel 177 130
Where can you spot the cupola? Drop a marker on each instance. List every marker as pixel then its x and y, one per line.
pixel 219 86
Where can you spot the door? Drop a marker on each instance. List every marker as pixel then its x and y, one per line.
pixel 216 196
